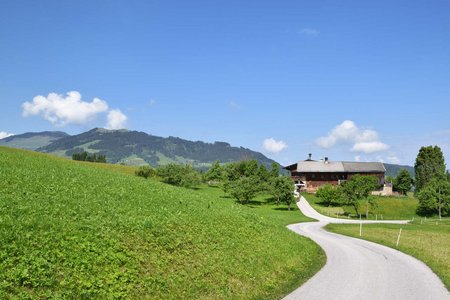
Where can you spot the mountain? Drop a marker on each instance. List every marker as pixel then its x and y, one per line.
pixel 138 148
pixel 392 170
pixel 32 140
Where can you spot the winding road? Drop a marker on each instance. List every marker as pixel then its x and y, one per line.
pixel 358 269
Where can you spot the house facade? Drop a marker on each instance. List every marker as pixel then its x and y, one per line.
pixel 309 174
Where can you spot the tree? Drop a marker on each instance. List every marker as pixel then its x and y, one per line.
pixel 144 171
pixel 179 175
pixel 250 167
pixel 274 170
pixel 281 189
pixel 329 194
pixel 403 182
pixel 215 174
pixel 448 176
pixel 244 189
pixel 435 197
pixel 357 188
pixel 429 164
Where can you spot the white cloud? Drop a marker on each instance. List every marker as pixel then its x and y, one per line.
pixel 369 147
pixel 116 119
pixel 273 146
pixel 61 110
pixel 309 31
pixel 357 158
pixel 5 134
pixel 362 140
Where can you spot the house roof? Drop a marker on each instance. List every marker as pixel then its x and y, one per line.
pixel 337 167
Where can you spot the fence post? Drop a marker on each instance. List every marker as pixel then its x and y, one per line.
pixel 398 238
pixel 360 226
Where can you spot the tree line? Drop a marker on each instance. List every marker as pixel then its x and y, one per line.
pixel 91 157
pixel 242 180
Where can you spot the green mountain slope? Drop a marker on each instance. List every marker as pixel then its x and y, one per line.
pixel 392 170
pixel 137 148
pixel 32 140
pixel 72 230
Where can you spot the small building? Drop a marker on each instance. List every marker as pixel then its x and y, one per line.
pixel 310 174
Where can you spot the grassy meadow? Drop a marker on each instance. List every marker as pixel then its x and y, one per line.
pixel 82 230
pixel 388 208
pixel 429 241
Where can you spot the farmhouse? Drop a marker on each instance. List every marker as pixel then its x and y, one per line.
pixel 310 174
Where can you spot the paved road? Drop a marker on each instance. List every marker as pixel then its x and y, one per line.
pixel 358 269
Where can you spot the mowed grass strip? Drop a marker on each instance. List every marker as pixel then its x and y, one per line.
pixel 72 230
pixel 388 208
pixel 429 242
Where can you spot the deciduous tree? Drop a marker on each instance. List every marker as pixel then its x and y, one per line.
pixel 429 163
pixel 403 182
pixel 357 188
pixel 281 189
pixel 244 189
pixel 329 194
pixel 435 197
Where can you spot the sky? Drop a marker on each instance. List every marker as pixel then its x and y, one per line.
pixel 349 80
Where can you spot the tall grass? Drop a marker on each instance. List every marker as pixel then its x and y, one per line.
pixel 73 230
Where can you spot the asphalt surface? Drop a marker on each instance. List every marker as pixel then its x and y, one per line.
pixel 357 269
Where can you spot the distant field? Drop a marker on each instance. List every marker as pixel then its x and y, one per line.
pixel 388 208
pixel 429 242
pixel 84 230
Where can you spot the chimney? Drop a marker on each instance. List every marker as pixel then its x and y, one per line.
pixel 326 160
pixel 310 155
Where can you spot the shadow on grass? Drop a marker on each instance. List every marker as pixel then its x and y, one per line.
pixel 282 209
pixel 251 203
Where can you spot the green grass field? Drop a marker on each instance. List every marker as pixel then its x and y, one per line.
pixel 84 230
pixel 429 242
pixel 387 208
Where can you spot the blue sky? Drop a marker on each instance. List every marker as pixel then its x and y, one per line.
pixel 351 80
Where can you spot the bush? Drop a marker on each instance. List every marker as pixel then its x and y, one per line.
pixel 145 171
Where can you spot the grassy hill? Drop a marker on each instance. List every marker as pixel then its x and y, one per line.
pixel 78 230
